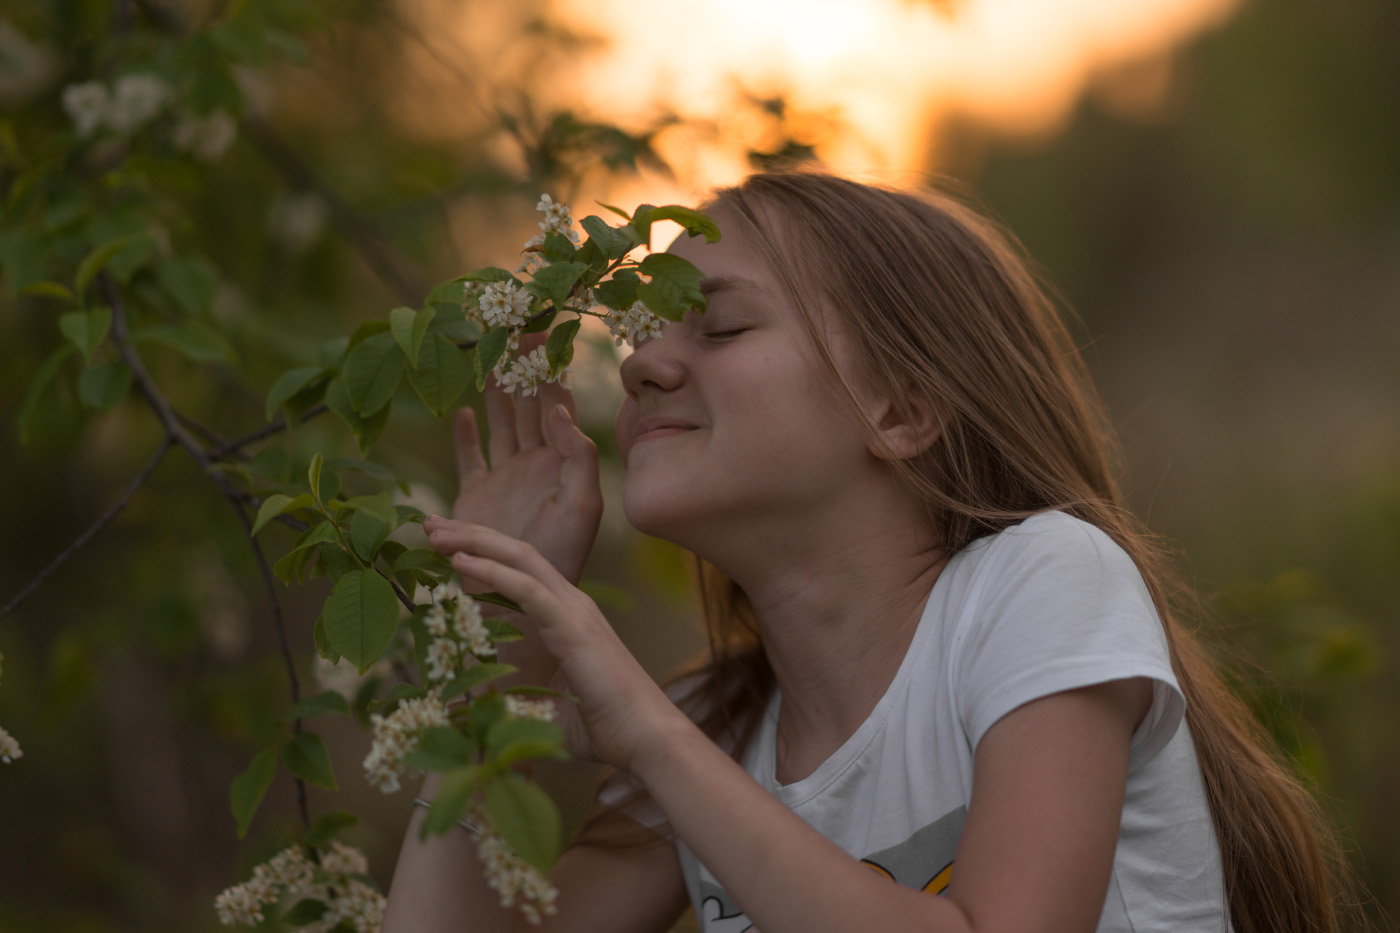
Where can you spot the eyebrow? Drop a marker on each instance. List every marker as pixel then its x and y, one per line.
pixel 714 284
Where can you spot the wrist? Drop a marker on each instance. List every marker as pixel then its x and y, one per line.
pixel 666 747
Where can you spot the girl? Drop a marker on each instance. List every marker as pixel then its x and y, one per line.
pixel 943 660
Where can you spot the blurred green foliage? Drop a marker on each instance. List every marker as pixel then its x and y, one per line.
pixel 1231 253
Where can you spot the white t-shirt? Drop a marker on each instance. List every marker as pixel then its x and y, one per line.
pixel 1048 605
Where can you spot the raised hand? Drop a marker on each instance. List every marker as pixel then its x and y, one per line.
pixel 541 485
pixel 621 711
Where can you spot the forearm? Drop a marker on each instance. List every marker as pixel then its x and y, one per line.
pixel 439 884
pixel 784 874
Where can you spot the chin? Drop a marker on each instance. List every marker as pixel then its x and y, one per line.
pixel 660 510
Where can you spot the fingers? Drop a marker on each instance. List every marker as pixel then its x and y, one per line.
pixel 454 537
pixel 500 418
pixel 470 463
pixel 578 474
pixel 552 394
pixel 527 423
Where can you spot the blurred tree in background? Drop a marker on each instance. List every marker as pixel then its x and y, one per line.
pixel 1231 247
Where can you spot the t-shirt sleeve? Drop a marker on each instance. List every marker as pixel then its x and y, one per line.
pixel 1060 606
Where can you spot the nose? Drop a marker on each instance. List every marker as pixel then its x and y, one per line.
pixel 657 363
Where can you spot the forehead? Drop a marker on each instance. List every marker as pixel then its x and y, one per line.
pixel 736 264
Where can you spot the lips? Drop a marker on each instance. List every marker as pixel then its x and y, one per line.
pixel 656 427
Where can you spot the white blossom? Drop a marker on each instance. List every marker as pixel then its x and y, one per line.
pixel 9 748
pixel 86 105
pixel 207 138
pixel 443 657
pixel 531 260
pixel 343 678
pixel 291 875
pixel 504 305
pixel 557 219
pixel 396 735
pixel 526 708
pixel 468 625
pixel 136 99
pixel 296 222
pixel 528 372
pixel 513 878
pixel 635 324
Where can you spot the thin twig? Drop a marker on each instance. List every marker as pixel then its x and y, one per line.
pixel 283 643
pixel 175 433
pixel 103 520
pixel 238 443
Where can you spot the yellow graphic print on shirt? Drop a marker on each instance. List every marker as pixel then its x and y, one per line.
pixel 923 862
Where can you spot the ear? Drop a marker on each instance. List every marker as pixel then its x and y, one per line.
pixel 904 431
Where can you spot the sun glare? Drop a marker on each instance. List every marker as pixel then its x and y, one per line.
pixel 887 71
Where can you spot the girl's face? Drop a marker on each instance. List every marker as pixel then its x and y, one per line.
pixel 728 423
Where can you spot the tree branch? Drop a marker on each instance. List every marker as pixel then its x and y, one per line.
pixel 238 443
pixel 103 520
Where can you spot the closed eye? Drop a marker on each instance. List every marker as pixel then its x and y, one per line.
pixel 726 334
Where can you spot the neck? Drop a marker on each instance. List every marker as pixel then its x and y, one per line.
pixel 836 613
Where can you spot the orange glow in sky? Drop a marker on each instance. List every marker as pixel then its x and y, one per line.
pixel 886 70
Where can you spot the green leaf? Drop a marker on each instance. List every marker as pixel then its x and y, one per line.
pixel 102 387
pixel 396 693
pixel 512 740
pixel 306 757
pixel 327 827
pixel 555 281
pixel 338 562
pixel 497 599
pixel 443 373
pixel 37 385
pixel 500 630
pixel 372 372
pixel 408 327
pixel 616 210
pixel 490 274
pixel 94 261
pixel 694 222
pixel 292 564
pixel 319 705
pixel 86 329
pixel 489 349
pixel 323 644
pixel 369 526
pixel 280 504
pixel 525 818
pixel 615 242
pixel 50 290
pixel 313 475
pixel 422 558
pixel 448 293
pixel 361 616
pixel 366 429
pixel 290 383
pixel 453 795
pixel 540 322
pixel 475 676
pixel 305 912
pixel 191 280
pixel 196 340
pixel 441 748
pixel 620 291
pixel 557 248
pixel 248 789
pixel 674 288
pixel 559 348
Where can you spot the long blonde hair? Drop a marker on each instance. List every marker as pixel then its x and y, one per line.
pixel 941 306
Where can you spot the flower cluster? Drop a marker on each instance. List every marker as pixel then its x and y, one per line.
pixel 634 324
pixel 134 101
pixel 557 219
pixel 503 304
pixel 526 708
pixel 454 620
pixel 528 372
pixel 9 748
pixel 336 882
pixel 513 878
pixel 396 735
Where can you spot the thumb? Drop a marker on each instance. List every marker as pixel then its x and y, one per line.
pixel 579 473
